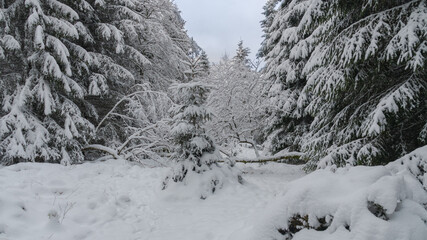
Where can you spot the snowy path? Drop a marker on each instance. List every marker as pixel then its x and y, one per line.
pixel 118 200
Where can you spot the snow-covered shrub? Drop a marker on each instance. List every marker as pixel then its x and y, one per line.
pixel 196 155
pixel 381 203
pixel 236 102
pixel 143 115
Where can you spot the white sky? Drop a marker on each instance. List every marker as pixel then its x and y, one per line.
pixel 218 25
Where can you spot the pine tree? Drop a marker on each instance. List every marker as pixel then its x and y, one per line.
pixel 57 56
pixel 193 144
pixel 167 44
pixel 242 54
pixel 197 63
pixel 269 13
pixel 196 154
pixel 358 70
pixel 42 120
pixel 204 63
pixel 287 120
pixel 141 43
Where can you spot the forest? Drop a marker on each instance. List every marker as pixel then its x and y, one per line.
pixel 115 124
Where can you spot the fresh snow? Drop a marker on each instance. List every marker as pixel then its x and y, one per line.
pixel 117 199
pixel 379 203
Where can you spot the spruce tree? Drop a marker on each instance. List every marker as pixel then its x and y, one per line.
pixel 287 121
pixel 41 120
pixel 242 54
pixel 140 45
pixel 197 63
pixel 59 57
pixel 355 72
pixel 204 63
pixel 194 146
pixel 196 155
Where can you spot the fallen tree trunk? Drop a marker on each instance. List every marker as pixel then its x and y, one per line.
pixel 288 159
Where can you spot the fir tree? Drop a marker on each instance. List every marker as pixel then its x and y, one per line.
pixel 143 44
pixel 197 63
pixel 242 54
pixel 189 134
pixel 355 71
pixel 196 154
pixel 41 121
pixel 269 13
pixel 57 56
pixel 204 63
pixel 287 121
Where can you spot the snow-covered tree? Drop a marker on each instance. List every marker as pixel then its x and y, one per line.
pixel 143 44
pixel 166 44
pixel 287 120
pixel 197 63
pixel 196 155
pixel 242 54
pixel 195 148
pixel 237 104
pixel 348 79
pixel 269 12
pixel 204 62
pixel 41 119
pixel 145 125
pixel 57 56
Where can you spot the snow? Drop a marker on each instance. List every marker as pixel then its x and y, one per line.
pixel 118 199
pixel 10 43
pixel 61 51
pixel 98 84
pixel 383 202
pixel 63 9
pixel 62 27
pixel 121 200
pixel 38 38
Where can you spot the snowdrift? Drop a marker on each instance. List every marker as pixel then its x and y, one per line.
pixel 381 203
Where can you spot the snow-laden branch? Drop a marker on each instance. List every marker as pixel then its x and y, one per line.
pixel 128 98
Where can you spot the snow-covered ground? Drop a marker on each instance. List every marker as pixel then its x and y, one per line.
pixel 117 199
pixel 121 200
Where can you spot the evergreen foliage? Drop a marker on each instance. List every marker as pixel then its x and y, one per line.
pixel 56 56
pixel 242 54
pixel 151 49
pixel 196 155
pixel 197 62
pixel 41 120
pixel 348 79
pixel 195 149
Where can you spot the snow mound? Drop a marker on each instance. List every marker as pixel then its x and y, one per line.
pixel 202 185
pixel 414 163
pixel 381 203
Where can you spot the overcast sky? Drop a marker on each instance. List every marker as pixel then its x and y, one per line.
pixel 218 25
